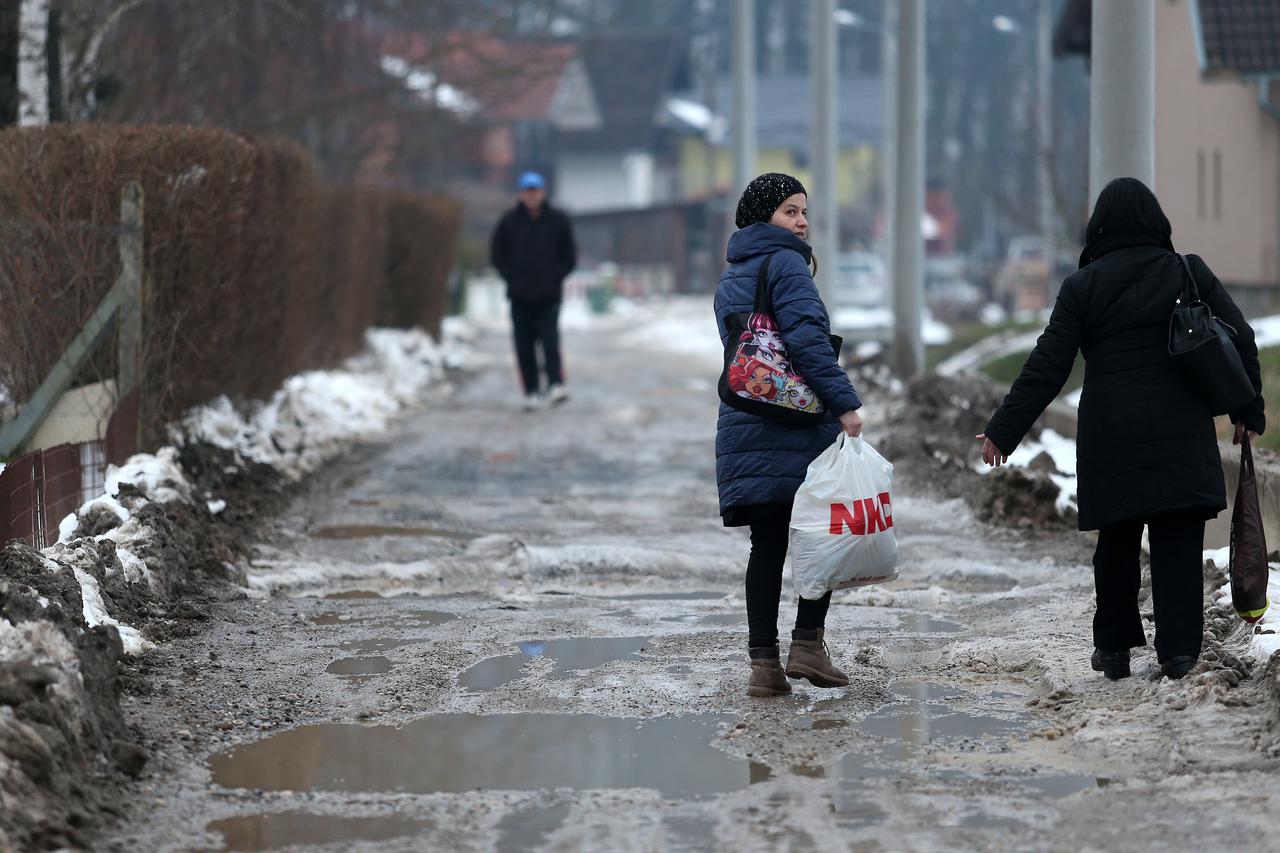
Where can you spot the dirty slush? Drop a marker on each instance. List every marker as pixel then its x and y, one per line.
pixel 494 632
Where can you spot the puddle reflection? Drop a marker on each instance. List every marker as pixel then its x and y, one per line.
pixel 289 829
pixel 529 828
pixel 698 595
pixel 372 531
pixel 466 752
pixel 360 666
pixel 569 655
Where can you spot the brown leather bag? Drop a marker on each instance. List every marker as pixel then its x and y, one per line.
pixel 1248 544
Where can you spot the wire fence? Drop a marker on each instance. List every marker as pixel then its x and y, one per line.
pixel 40 489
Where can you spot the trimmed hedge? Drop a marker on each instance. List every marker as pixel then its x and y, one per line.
pixel 254 270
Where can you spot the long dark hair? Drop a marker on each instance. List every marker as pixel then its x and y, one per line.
pixel 1126 206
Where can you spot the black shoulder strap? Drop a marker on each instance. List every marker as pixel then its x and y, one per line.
pixel 1191 292
pixel 763 303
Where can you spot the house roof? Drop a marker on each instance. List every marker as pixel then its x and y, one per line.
pixel 784 110
pixel 1232 36
pixel 631 76
pixel 513 80
pixel 1238 36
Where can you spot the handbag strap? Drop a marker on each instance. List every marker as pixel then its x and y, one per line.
pixel 764 305
pixel 1191 293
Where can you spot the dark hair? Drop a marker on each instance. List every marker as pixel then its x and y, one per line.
pixel 1127 206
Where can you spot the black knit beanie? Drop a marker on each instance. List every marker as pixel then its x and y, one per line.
pixel 763 196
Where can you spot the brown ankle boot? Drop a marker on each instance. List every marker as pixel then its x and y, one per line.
pixel 767 678
pixel 809 659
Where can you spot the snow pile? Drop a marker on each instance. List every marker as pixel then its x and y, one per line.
pixel 1266 331
pixel 1058 462
pixel 313 417
pixel 317 413
pixel 1265 639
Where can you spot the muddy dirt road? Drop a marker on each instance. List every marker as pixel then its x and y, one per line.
pixel 507 631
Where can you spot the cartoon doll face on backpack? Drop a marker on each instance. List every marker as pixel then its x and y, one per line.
pixel 764 333
pixel 752 378
pixel 799 395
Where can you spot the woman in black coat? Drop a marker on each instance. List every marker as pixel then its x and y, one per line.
pixel 1147 452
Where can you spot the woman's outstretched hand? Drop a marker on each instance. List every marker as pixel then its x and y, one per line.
pixel 991 454
pixel 851 423
pixel 1239 436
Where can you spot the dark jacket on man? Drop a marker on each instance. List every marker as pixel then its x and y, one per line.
pixel 1146 443
pixel 534 255
pixel 760 461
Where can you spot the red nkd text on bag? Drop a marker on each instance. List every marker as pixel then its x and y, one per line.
pixel 862 517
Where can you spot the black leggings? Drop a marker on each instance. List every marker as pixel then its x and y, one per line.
pixel 1177 581
pixel 764 580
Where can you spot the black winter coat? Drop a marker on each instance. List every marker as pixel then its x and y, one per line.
pixel 534 255
pixel 1145 443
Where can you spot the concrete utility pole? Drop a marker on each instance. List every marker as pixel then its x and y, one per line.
pixel 908 188
pixel 1044 135
pixel 1122 94
pixel 744 98
pixel 889 143
pixel 824 202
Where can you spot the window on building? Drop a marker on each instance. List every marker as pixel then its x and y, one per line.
pixel 1217 184
pixel 1200 183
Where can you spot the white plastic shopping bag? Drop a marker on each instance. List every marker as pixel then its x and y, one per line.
pixel 842 521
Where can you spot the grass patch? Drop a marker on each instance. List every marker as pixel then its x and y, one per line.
pixel 1005 369
pixel 966 335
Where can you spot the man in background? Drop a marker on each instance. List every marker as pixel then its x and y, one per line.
pixel 533 250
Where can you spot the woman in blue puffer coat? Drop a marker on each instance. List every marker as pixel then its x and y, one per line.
pixel 761 463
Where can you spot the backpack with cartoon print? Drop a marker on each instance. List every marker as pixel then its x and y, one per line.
pixel 757 376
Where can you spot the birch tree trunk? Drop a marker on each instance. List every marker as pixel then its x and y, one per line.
pixel 33 63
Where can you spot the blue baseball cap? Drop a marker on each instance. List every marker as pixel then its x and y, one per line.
pixel 532 181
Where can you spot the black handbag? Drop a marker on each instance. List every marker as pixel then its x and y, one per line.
pixel 757 376
pixel 1200 344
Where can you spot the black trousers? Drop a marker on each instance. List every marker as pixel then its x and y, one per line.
pixel 764 580
pixel 1177 585
pixel 534 322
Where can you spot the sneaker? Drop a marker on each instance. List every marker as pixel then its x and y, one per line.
pixel 557 395
pixel 532 402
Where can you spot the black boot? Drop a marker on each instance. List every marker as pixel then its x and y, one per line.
pixel 1177 666
pixel 1114 665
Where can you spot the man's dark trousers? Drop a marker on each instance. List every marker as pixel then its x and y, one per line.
pixel 535 321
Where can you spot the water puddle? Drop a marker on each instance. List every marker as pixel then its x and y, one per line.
pixel 503 752
pixel 403 618
pixel 374 531
pixel 368 647
pixel 822 724
pixel 920 624
pixel 569 655
pixel 934 714
pixel 697 595
pixel 289 829
pixel 528 829
pixel 360 666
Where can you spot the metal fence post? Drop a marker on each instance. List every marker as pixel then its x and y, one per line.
pixel 129 320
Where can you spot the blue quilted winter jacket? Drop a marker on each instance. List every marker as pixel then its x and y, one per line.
pixel 757 460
